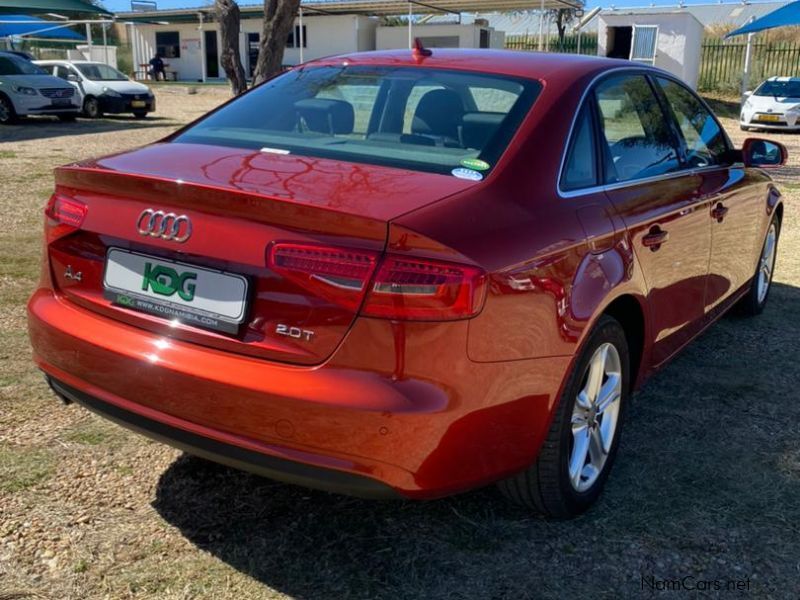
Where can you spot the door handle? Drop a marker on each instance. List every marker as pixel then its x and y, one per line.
pixel 719 212
pixel 655 238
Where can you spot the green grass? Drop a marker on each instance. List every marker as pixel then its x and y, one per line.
pixel 7 154
pixel 22 468
pixel 93 433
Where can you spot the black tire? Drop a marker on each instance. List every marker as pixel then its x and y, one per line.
pixel 140 114
pixel 7 113
pixel 545 486
pixel 753 303
pixel 67 118
pixel 91 108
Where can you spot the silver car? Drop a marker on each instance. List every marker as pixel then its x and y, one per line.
pixel 26 89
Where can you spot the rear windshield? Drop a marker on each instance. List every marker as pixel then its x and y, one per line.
pixel 413 118
pixel 785 89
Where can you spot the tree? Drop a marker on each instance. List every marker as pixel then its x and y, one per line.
pixel 229 25
pixel 562 17
pixel 278 23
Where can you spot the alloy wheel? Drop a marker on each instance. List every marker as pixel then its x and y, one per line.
pixel 5 111
pixel 767 263
pixel 595 416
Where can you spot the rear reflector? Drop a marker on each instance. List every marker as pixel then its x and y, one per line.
pixel 421 289
pixel 403 288
pixel 66 211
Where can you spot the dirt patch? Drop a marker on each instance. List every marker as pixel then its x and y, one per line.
pixel 706 486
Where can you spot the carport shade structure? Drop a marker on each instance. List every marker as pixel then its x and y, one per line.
pixel 785 16
pixel 68 8
pixel 17 26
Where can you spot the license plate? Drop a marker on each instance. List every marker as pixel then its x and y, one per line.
pixel 195 295
pixel 138 103
pixel 62 101
pixel 769 118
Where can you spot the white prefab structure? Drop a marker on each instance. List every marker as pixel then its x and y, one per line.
pixel 445 35
pixel 191 50
pixel 669 40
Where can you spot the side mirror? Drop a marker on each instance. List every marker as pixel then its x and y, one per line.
pixel 758 152
pixel 748 94
pixel 73 77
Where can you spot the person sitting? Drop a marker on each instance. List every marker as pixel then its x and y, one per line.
pixel 157 68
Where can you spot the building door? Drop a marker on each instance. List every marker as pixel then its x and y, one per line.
pixel 643 48
pixel 212 56
pixel 252 52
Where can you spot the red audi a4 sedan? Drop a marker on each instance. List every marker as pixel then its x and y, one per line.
pixel 407 273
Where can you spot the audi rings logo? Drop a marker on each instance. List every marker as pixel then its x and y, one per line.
pixel 167 226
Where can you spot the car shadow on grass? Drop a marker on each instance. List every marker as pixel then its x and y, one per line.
pixel 38 128
pixel 706 486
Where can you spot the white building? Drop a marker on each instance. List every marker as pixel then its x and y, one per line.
pixel 669 40
pixel 445 35
pixel 188 39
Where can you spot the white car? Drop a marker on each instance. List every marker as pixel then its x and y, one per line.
pixel 104 89
pixel 775 104
pixel 26 89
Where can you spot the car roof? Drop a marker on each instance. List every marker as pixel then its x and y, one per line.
pixel 533 65
pixel 776 78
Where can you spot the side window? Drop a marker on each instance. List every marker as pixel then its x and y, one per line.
pixel 62 72
pixel 580 169
pixel 705 140
pixel 639 142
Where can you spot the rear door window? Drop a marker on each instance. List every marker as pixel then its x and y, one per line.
pixel 637 137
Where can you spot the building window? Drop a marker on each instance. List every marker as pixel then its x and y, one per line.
pixel 294 38
pixel 168 44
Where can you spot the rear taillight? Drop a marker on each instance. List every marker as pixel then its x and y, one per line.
pixel 421 289
pixel 338 274
pixel 64 216
pixel 66 211
pixel 403 288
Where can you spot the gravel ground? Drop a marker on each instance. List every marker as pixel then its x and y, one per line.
pixel 706 485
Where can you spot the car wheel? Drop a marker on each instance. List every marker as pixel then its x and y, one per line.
pixel 91 108
pixel 7 113
pixel 140 114
pixel 756 298
pixel 576 457
pixel 67 118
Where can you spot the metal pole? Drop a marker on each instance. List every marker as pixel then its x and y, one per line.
pixel 410 33
pixel 301 37
pixel 202 47
pixel 748 52
pixel 541 26
pixel 580 33
pixel 105 43
pixel 89 39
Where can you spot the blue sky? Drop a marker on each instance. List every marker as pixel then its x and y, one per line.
pixel 124 5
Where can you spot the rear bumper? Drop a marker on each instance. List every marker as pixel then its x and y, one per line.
pixel 398 405
pixel 228 454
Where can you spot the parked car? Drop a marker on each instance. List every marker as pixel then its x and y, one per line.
pixel 775 104
pixel 413 275
pixel 103 88
pixel 26 89
pixel 21 54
